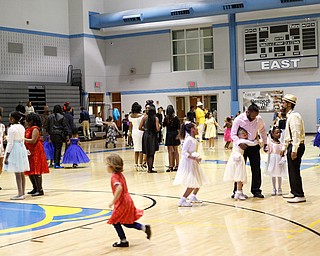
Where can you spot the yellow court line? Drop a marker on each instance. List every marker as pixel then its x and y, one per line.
pixel 102 212
pixel 223 226
pixel 303 229
pixel 48 218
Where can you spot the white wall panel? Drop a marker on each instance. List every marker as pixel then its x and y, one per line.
pixel 32 62
pixel 43 15
pixel 95 63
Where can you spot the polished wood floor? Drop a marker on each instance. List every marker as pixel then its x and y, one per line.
pixel 74 211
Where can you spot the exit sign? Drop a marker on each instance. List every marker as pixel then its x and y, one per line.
pixel 192 84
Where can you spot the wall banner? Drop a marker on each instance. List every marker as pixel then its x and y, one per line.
pixel 267 101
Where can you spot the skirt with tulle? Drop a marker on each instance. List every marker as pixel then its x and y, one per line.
pixel 190 174
pixel 18 158
pixel 49 150
pixel 75 155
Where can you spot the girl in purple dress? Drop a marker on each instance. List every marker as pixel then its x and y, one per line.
pixel 74 153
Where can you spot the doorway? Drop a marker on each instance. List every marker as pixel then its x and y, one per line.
pixel 116 104
pixel 180 108
pixel 96 104
pixel 195 99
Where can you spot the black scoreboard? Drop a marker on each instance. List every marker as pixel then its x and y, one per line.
pixel 281 46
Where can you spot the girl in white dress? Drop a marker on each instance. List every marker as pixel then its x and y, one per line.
pixel 135 119
pixel 276 166
pixel 16 156
pixel 189 172
pixel 236 166
pixel 211 130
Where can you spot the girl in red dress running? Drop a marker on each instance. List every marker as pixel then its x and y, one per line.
pixel 124 212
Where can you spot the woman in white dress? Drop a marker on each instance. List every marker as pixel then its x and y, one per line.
pixel 211 130
pixel 189 171
pixel 16 156
pixel 135 118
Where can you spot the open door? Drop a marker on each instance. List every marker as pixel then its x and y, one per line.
pixel 181 108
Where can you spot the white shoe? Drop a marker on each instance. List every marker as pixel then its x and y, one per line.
pixel 245 196
pixel 195 200
pixel 279 192
pixel 274 192
pixel 297 200
pixel 239 196
pixel 18 197
pixel 288 196
pixel 183 203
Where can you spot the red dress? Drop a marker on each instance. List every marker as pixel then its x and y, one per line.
pixel 124 210
pixel 37 158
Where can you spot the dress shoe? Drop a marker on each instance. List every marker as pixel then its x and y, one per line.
pixel 288 196
pixel 41 193
pixel 239 195
pixel 152 171
pixel 58 167
pixel 258 195
pixel 194 199
pixel 170 169
pixel 183 203
pixel 297 200
pixel 148 231
pixel 121 244
pixel 32 191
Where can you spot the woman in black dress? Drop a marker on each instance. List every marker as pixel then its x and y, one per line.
pixel 172 123
pixel 150 125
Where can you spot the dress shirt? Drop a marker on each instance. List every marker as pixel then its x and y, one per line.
pixel 294 125
pixel 253 128
pixel 200 115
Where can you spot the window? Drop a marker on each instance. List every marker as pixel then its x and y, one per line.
pixel 192 49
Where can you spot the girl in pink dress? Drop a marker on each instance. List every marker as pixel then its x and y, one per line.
pixel 227 132
pixel 276 165
pixel 124 212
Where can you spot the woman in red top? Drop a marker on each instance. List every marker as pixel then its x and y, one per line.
pixel 37 157
pixel 124 212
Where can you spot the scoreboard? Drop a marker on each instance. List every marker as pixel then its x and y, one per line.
pixel 281 46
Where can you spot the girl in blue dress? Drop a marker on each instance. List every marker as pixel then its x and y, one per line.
pixel 49 150
pixel 74 153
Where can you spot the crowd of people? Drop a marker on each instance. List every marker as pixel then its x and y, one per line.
pixel 247 132
pixel 27 154
pixel 32 140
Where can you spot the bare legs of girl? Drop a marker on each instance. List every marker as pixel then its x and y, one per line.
pixel 21 184
pixel 193 198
